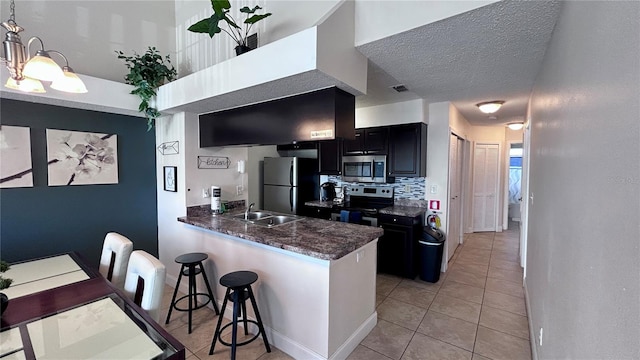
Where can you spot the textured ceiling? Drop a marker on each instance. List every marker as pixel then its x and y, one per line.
pixel 490 53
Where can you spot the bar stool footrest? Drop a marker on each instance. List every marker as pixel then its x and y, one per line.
pixel 200 305
pixel 255 336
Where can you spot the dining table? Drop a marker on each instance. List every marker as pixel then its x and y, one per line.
pixel 61 308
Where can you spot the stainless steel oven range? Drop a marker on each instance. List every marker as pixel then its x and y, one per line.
pixel 367 200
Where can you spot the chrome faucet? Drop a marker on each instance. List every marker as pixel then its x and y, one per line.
pixel 246 213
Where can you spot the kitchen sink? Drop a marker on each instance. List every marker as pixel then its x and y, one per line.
pixel 255 215
pixel 276 220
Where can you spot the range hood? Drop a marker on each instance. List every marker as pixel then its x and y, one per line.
pixel 318 115
pixel 320 57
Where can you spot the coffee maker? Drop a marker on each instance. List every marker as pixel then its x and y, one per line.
pixel 327 191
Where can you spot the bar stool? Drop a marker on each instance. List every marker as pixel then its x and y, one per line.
pixel 189 262
pixel 240 282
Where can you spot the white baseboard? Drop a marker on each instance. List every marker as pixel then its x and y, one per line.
pixel 356 338
pixel 532 334
pixel 291 347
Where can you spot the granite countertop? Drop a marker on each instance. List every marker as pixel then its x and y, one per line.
pixel 402 208
pixel 322 204
pixel 321 239
pixel 399 210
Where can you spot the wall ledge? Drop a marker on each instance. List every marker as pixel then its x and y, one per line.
pixel 319 57
pixel 103 96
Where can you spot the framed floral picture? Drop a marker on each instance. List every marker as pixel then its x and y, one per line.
pixel 81 158
pixel 170 179
pixel 15 157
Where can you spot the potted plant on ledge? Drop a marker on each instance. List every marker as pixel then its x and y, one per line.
pixel 211 25
pixel 147 73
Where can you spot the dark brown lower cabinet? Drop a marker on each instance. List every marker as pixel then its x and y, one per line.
pixel 317 212
pixel 398 247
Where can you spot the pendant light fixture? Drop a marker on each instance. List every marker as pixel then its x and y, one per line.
pixel 26 72
pixel 490 107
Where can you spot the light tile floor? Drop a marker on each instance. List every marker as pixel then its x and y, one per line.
pixel 475 311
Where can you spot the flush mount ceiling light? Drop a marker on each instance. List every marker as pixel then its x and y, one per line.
pixel 515 126
pixel 26 72
pixel 490 107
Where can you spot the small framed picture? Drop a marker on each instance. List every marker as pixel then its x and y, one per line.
pixel 170 179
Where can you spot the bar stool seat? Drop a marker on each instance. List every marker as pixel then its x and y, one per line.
pixel 240 283
pixel 189 262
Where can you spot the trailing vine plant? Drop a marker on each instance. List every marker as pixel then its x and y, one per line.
pixel 147 73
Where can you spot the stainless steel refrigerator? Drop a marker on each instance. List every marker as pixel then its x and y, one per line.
pixel 288 183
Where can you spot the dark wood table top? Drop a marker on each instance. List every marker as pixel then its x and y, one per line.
pixel 29 309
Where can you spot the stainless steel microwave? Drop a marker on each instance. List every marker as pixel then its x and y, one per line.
pixel 366 168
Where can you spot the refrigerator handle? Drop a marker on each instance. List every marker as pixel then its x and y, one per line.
pixel 291 198
pixel 291 174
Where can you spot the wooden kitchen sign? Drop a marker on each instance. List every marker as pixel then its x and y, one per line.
pixel 213 162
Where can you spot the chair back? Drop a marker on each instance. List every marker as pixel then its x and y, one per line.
pixel 145 282
pixel 116 250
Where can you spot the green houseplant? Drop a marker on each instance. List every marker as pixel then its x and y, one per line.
pixel 4 283
pixel 147 73
pixel 221 8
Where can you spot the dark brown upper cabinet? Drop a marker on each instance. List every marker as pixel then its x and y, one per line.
pixel 407 150
pixel 330 157
pixel 368 141
pixel 319 115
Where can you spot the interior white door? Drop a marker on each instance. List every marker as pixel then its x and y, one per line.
pixel 485 186
pixel 455 195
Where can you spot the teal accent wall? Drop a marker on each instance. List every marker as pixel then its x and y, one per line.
pixel 44 220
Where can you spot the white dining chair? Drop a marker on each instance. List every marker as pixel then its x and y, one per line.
pixel 116 250
pixel 145 280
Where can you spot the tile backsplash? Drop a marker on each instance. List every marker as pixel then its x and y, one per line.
pixel 404 187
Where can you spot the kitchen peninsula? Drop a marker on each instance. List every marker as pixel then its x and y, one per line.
pixel 316 287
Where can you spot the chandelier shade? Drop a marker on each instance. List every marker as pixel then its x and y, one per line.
pixel 26 85
pixel 26 71
pixel 69 82
pixel 42 67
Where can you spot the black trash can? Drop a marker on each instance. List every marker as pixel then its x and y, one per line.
pixel 431 248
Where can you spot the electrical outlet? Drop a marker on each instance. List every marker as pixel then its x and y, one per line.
pixel 433 189
pixel 239 190
pixel 407 188
pixel 205 193
pixel 540 337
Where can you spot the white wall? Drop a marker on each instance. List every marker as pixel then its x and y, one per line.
pixel 88 32
pixel 583 257
pixel 198 179
pixel 198 51
pixel 438 159
pixel 171 205
pixel 405 112
pixel 370 14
